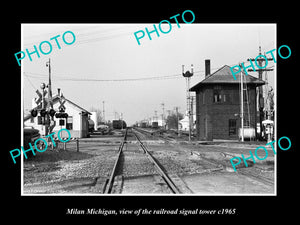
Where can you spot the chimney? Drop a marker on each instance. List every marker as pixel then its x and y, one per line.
pixel 58 91
pixel 207 67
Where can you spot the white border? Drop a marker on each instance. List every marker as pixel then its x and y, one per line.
pixel 22 113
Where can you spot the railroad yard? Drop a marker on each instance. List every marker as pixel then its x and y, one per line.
pixel 140 161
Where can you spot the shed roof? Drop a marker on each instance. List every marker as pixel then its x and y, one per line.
pixel 224 76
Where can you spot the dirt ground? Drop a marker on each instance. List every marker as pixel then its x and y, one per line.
pixel 203 169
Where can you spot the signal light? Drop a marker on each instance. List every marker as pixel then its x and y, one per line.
pixel 58 115
pixel 51 112
pixel 61 115
pixel 34 112
pixel 43 112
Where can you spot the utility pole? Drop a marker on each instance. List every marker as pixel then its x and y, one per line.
pixel 45 109
pixel 192 114
pixel 49 85
pixel 260 88
pixel 43 86
pixel 50 103
pixel 188 76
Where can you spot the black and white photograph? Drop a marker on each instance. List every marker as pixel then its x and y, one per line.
pixel 164 109
pixel 133 112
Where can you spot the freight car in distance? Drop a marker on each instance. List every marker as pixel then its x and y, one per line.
pixel 155 125
pixel 119 124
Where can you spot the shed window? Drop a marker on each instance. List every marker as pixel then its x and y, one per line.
pixel 69 124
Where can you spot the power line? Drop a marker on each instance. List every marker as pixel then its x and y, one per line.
pixel 104 35
pixel 73 78
pixel 31 83
pixel 61 77
pixel 81 78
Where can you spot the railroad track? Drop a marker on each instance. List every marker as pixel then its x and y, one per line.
pixel 247 173
pixel 260 178
pixel 156 134
pixel 108 188
pixel 109 184
pixel 161 172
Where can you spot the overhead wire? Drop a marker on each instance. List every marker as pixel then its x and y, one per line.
pixel 66 78
pixel 31 83
pixel 80 77
pixel 101 36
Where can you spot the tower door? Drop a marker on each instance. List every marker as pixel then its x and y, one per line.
pixel 232 127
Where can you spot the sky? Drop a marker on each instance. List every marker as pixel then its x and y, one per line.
pixel 105 63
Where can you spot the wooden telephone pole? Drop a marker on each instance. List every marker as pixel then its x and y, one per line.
pixel 260 88
pixel 49 125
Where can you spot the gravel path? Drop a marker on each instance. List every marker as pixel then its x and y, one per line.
pixel 71 172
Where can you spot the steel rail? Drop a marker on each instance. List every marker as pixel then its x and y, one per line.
pixel 155 134
pixel 109 185
pixel 260 178
pixel 165 177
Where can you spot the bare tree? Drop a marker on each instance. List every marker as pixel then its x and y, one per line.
pixel 98 114
pixel 172 121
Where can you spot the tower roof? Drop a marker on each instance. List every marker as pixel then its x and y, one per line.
pixel 224 76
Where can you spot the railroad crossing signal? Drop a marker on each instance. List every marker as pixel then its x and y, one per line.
pixel 43 112
pixel 34 113
pixel 52 112
pixel 61 106
pixel 61 114
pixel 38 101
